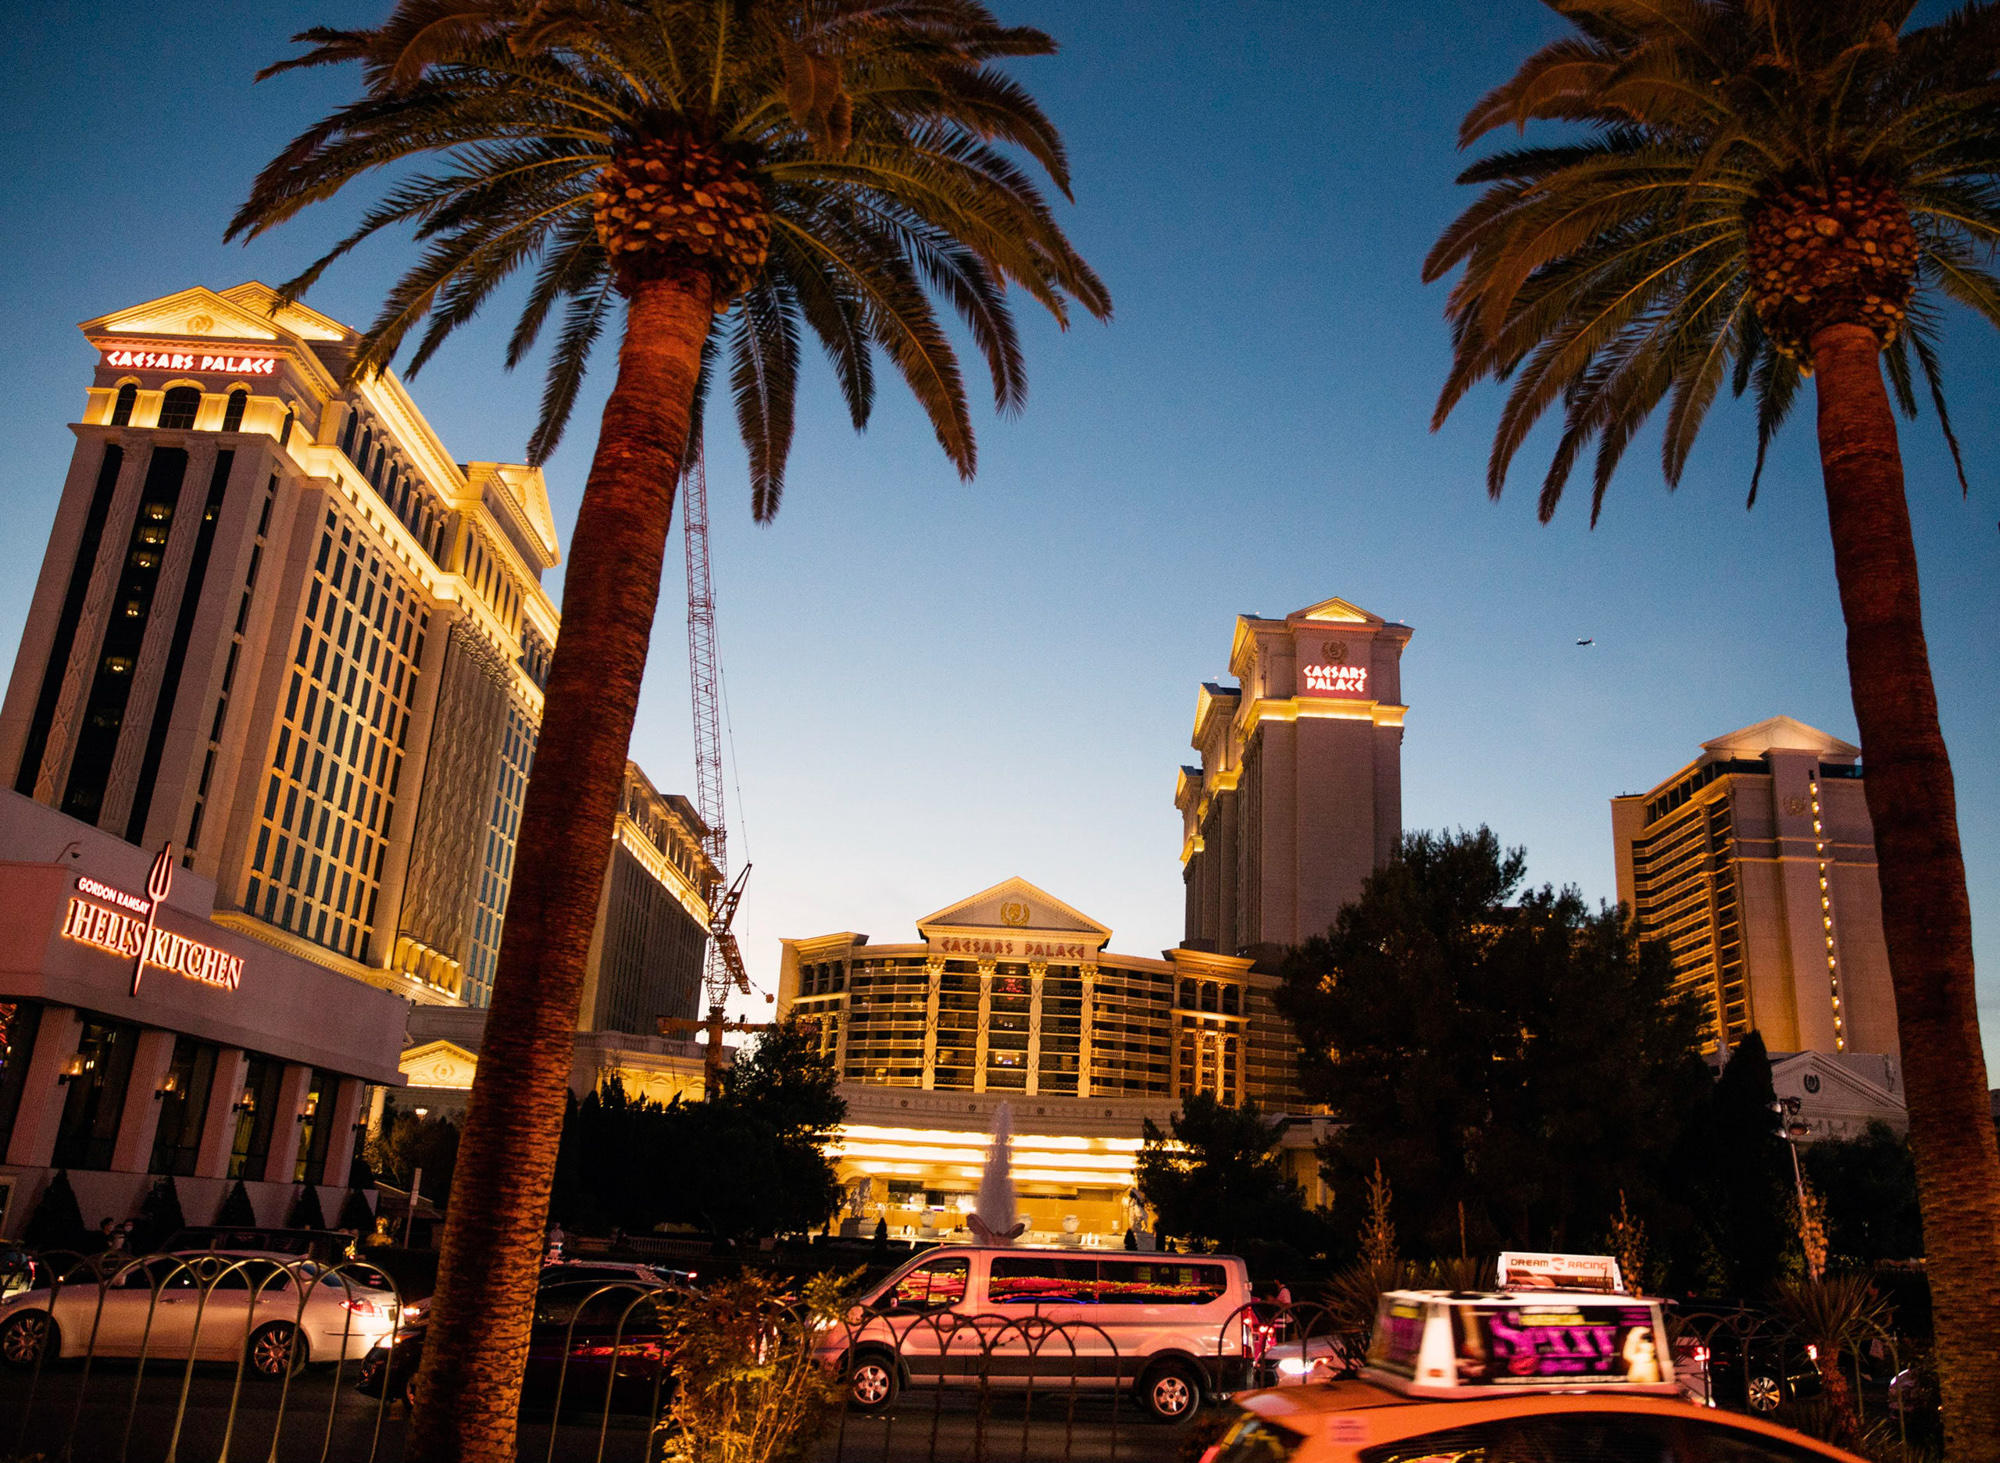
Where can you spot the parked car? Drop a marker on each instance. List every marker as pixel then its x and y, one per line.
pixel 957 1317
pixel 595 1326
pixel 213 1305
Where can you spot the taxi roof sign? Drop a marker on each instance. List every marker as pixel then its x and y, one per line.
pixel 1455 1343
pixel 1531 1270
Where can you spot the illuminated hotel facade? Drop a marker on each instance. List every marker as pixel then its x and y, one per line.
pixel 1299 793
pixel 282 628
pixel 1012 995
pixel 1755 865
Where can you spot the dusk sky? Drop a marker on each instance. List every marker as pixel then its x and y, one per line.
pixel 933 686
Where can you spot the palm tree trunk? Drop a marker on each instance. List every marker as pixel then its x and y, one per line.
pixel 468 1391
pixel 1926 919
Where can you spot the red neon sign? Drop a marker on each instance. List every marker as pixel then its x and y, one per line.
pixel 193 361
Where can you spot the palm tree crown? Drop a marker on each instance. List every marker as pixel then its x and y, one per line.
pixel 1755 170
pixel 831 163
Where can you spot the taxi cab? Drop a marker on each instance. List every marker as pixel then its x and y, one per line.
pixel 1518 1375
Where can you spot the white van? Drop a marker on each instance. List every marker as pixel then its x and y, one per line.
pixel 1022 1317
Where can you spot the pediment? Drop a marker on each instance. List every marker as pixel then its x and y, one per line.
pixel 1015 904
pixel 267 304
pixel 1835 1081
pixel 1338 610
pixel 439 1064
pixel 199 312
pixel 1781 733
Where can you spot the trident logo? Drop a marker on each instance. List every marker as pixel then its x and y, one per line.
pixel 158 884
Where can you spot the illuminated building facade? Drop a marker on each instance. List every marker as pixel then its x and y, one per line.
pixel 141 1038
pixel 282 628
pixel 1012 995
pixel 1755 865
pixel 1299 794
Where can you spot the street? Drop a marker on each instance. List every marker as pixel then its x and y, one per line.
pixel 97 1417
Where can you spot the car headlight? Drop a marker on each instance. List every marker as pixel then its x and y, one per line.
pixel 1294 1366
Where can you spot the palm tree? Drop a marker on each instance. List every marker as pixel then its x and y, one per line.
pixel 722 173
pixel 1765 192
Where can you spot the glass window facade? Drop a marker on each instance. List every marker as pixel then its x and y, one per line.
pixel 336 767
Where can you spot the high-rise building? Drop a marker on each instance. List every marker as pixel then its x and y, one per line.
pixel 1755 865
pixel 1299 795
pixel 647 955
pixel 281 627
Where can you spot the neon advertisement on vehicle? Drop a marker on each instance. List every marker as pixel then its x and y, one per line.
pixel 1436 1343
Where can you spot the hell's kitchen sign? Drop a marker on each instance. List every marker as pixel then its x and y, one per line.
pixel 127 924
pixel 192 361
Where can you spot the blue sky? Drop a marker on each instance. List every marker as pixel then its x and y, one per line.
pixel 935 686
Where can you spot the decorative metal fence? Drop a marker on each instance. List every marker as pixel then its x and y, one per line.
pixel 191 1358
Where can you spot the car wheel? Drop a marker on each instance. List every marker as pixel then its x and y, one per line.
pixel 28 1337
pixel 1763 1393
pixel 277 1351
pixel 873 1383
pixel 1170 1391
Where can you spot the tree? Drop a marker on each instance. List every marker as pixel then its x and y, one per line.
pixel 57 1223
pixel 406 1142
pixel 236 1210
pixel 1526 1060
pixel 160 1216
pixel 751 1160
pixel 1215 1177
pixel 719 175
pixel 307 1212
pixel 1738 1220
pixel 1870 1185
pixel 1768 191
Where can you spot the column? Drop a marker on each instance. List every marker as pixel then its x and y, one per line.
pixel 1037 970
pixel 985 1026
pixel 345 1115
pixel 42 1096
pixel 133 1152
pixel 934 971
pixel 1083 1055
pixel 218 1127
pixel 284 1158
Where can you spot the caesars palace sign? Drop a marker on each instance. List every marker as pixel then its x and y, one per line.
pixel 125 924
pixel 192 361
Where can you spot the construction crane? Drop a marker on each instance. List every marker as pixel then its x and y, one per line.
pixel 724 962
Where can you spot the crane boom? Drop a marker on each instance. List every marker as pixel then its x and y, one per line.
pixel 724 961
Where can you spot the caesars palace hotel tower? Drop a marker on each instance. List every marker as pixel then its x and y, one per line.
pixel 279 628
pixel 1299 795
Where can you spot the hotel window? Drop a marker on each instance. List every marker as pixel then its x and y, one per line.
pixel 178 408
pixel 18 1023
pixel 256 1116
pixel 517 760
pixel 336 769
pixel 229 668
pixel 184 1099
pixel 232 416
pixel 131 608
pixel 121 409
pixel 94 1097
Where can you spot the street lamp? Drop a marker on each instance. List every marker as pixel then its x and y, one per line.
pixel 1794 1131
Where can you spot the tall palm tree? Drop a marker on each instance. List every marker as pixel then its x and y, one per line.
pixel 720 173
pixel 1765 192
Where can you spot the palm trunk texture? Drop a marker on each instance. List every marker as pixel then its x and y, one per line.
pixel 468 1391
pixel 1926 919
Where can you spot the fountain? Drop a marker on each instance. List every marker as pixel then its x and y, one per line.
pixel 992 1220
